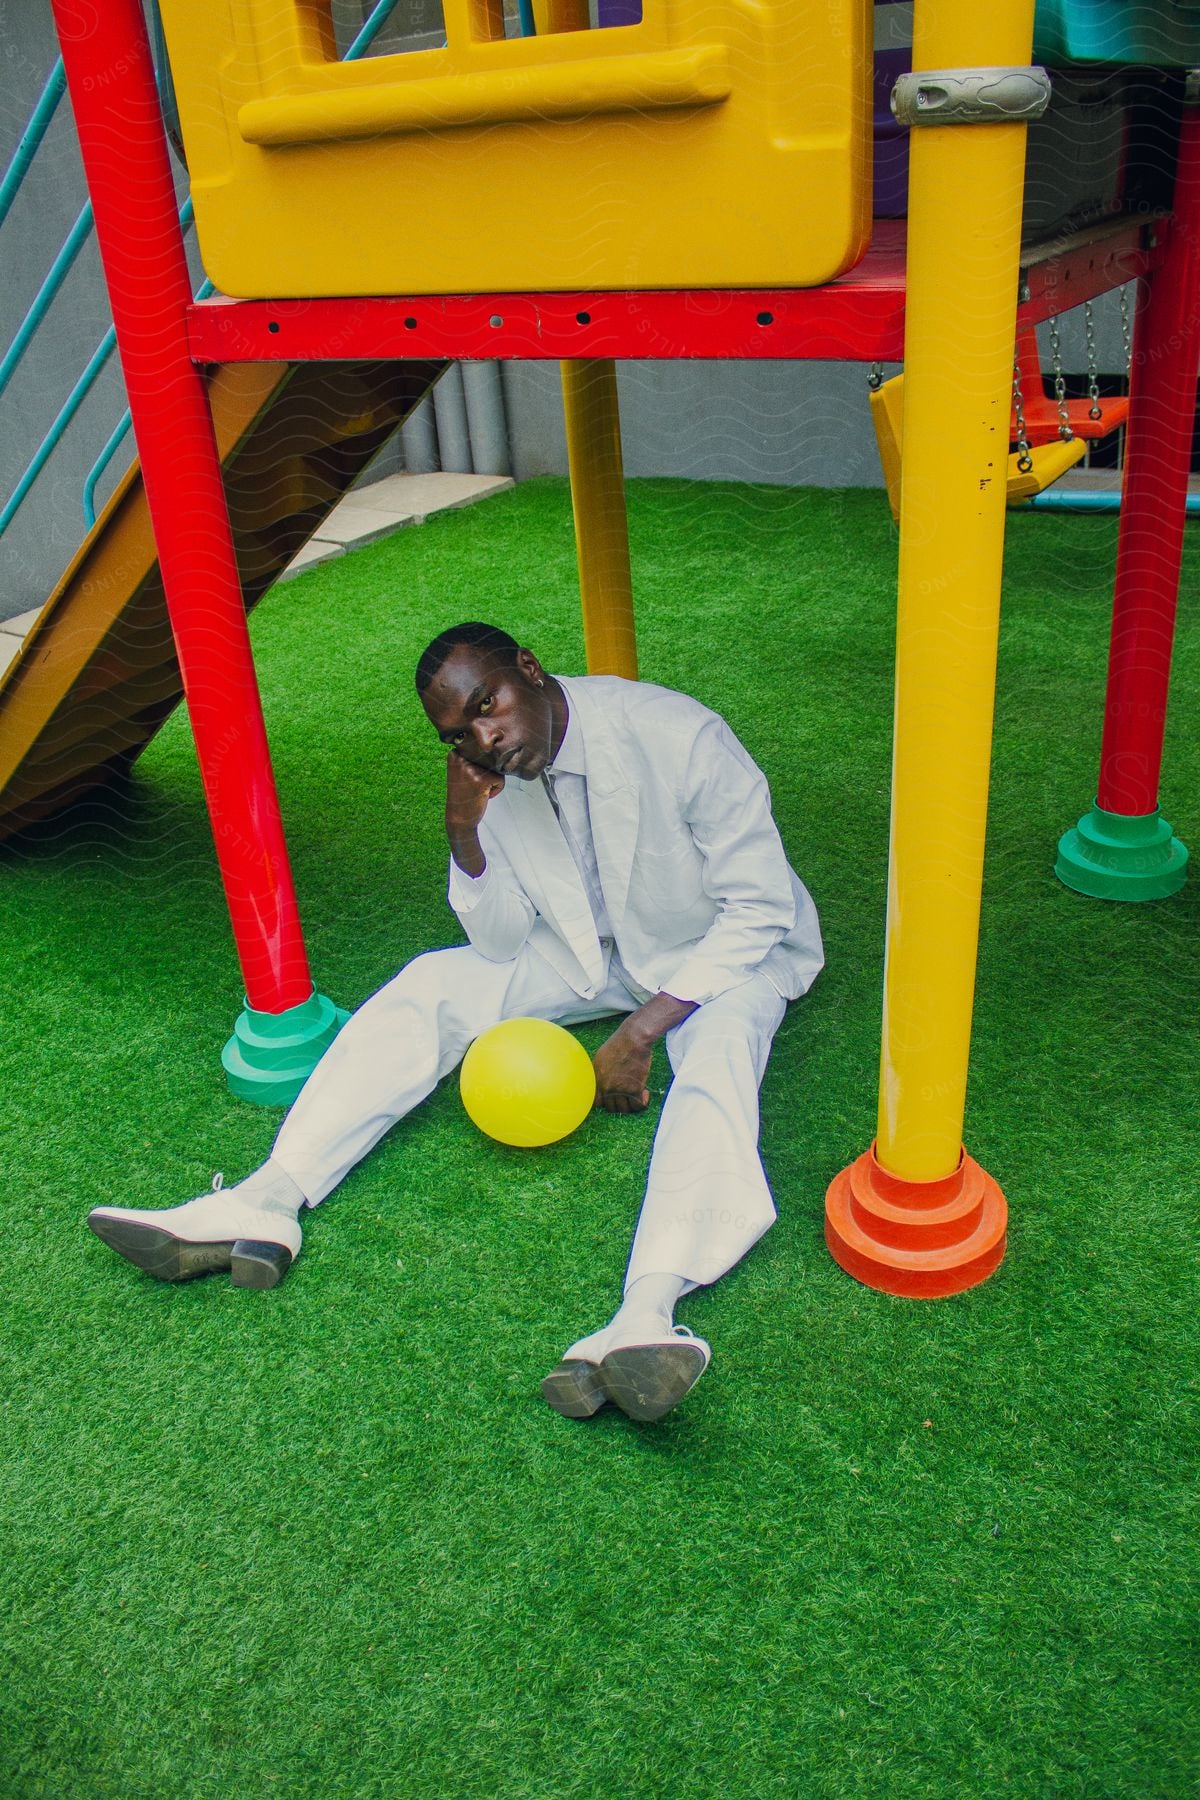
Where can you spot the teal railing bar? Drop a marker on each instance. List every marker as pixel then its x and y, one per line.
pixel 525 18
pixel 1079 500
pixel 370 30
pixel 31 137
pixel 49 443
pixel 101 463
pixel 163 78
pixel 60 268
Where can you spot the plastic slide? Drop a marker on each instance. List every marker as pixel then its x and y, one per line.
pixel 98 674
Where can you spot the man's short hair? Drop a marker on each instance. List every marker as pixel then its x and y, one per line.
pixel 481 637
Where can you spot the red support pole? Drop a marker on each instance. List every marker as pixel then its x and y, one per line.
pixel 1162 410
pixel 1122 849
pixel 125 159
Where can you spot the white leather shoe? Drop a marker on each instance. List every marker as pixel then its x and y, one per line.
pixel 575 1388
pixel 646 1380
pixel 217 1231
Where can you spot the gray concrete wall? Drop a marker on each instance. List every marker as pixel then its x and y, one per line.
pixel 793 424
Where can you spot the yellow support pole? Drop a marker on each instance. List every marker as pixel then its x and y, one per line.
pixel 917 1216
pixel 593 421
pixel 559 15
pixel 601 531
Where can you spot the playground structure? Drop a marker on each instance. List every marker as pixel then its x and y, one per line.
pixel 914 1214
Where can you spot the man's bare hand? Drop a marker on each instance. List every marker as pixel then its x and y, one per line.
pixel 468 791
pixel 623 1062
pixel 622 1070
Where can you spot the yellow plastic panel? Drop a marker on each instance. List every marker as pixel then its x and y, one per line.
pixel 715 145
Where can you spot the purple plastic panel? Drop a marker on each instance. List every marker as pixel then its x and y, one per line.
pixel 618 12
pixel 891 140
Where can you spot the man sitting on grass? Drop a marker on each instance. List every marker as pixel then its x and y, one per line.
pixel 612 850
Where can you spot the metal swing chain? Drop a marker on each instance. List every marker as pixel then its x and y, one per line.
pixel 1095 411
pixel 875 376
pixel 1060 386
pixel 1127 342
pixel 1024 454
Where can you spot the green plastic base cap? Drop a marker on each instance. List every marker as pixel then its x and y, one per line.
pixel 271 1055
pixel 1121 856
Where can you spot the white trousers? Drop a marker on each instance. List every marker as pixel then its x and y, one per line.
pixel 707 1199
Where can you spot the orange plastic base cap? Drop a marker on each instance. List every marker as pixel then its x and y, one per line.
pixel 919 1239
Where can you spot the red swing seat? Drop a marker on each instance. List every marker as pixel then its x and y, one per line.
pixel 1041 409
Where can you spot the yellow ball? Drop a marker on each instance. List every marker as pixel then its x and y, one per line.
pixel 527 1082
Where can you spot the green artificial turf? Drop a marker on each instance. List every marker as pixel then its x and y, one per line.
pixel 330 1541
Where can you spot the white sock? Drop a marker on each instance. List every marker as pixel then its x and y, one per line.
pixel 648 1311
pixel 272 1189
pixel 651 1299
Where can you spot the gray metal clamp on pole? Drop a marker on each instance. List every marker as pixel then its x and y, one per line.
pixel 971 96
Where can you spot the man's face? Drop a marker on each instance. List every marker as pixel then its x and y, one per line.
pixel 491 713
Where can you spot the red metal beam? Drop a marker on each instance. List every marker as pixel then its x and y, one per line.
pixel 1064 273
pixel 815 322
pixel 859 318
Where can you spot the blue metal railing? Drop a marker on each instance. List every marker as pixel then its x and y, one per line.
pixel 31 137
pixel 117 436
pixel 60 268
pixel 1081 500
pixel 370 31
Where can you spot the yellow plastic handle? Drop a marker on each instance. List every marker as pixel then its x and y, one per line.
pixel 650 82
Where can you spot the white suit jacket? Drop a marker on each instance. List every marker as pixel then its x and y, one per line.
pixel 698 889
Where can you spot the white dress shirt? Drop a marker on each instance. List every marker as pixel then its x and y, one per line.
pixel 565 783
